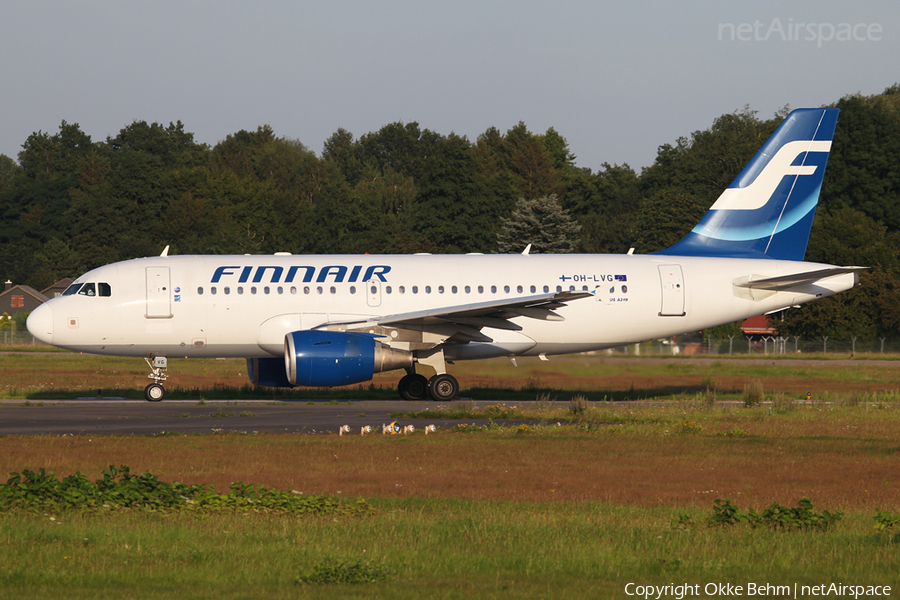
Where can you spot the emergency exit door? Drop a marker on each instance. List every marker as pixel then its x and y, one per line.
pixel 672 281
pixel 159 293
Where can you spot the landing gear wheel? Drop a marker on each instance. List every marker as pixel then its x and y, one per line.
pixel 413 387
pixel 154 392
pixel 443 388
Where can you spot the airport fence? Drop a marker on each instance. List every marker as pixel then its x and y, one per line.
pixel 18 338
pixel 743 345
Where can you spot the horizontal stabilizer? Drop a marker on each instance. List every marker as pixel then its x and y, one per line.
pixel 797 280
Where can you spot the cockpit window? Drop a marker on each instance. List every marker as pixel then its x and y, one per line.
pixel 104 290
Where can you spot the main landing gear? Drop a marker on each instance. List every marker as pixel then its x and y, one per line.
pixel 155 392
pixel 442 387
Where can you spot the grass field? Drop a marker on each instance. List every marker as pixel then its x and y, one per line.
pixel 68 375
pixel 620 495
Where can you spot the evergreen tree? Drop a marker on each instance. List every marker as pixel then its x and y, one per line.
pixel 543 223
pixel 452 207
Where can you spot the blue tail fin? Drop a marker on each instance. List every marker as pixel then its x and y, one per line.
pixel 768 210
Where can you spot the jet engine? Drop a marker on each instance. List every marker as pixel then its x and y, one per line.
pixel 328 358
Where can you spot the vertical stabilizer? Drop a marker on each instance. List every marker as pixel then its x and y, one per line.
pixel 768 210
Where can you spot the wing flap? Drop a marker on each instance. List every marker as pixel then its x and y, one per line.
pixel 540 306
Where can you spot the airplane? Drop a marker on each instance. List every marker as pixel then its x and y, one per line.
pixel 332 320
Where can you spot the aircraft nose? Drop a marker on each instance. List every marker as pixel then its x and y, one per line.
pixel 40 323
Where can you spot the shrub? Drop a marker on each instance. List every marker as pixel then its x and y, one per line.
pixel 710 397
pixel 885 521
pixel 118 489
pixel 776 516
pixel 578 405
pixel 688 427
pixel 336 570
pixel 753 393
pixel 782 403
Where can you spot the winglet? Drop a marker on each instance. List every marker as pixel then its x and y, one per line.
pixel 165 251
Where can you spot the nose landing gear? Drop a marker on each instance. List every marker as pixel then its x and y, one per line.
pixel 155 392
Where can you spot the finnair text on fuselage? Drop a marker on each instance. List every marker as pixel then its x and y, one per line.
pixel 274 273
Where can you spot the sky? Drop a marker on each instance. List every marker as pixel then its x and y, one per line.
pixel 617 80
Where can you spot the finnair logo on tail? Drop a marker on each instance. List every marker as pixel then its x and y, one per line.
pixel 757 194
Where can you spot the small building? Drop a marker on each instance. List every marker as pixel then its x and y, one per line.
pixel 759 326
pixel 20 298
pixel 57 288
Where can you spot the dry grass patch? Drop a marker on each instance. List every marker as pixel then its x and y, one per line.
pixel 846 460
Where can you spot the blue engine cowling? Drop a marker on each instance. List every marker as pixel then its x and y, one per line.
pixel 328 358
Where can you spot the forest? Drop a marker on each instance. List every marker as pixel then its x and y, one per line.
pixel 69 204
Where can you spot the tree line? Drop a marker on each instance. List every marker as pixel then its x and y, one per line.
pixel 69 204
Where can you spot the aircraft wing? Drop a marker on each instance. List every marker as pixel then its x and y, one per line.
pixel 462 323
pixel 789 282
pixel 493 313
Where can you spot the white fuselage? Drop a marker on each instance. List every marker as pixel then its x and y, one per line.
pixel 243 306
